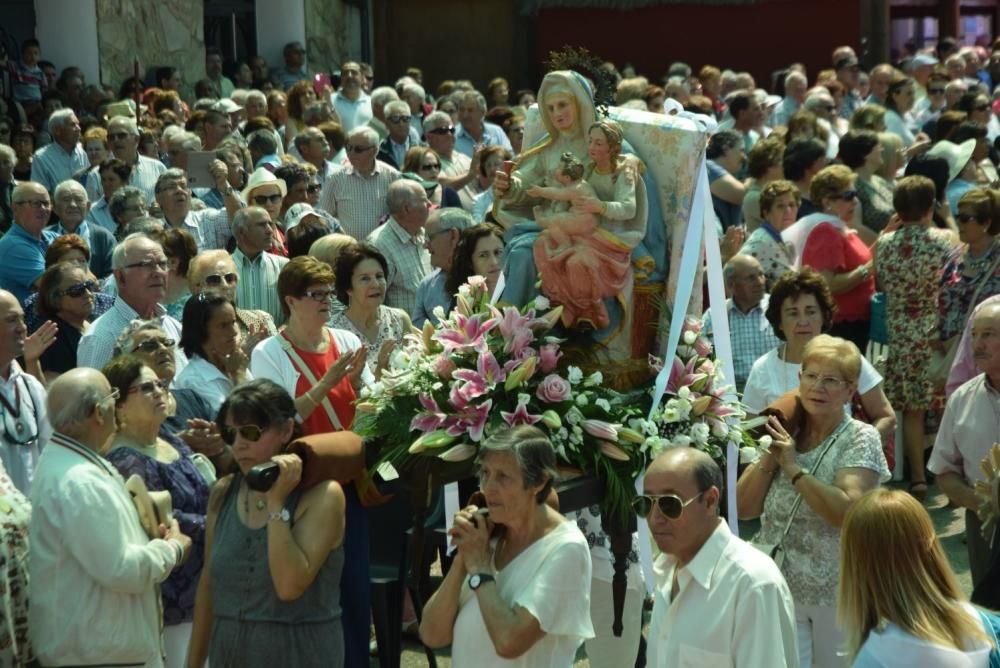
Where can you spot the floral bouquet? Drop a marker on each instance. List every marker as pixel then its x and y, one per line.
pixel 486 368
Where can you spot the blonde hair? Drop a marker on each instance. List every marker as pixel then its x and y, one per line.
pixel 327 248
pixel 841 352
pixel 893 569
pixel 891 145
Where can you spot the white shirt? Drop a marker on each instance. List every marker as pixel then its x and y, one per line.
pixel 732 608
pixel 204 378
pixel 352 113
pixel 19 454
pixel 896 647
pixel 97 344
pixel 94 571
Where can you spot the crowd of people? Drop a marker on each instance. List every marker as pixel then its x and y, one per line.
pixel 189 285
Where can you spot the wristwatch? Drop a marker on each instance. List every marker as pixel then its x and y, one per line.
pixel 477 580
pixel 283 516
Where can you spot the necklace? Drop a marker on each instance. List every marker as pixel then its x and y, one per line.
pixel 260 504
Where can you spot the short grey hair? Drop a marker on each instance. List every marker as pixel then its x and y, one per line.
pixel 118 254
pixel 435 117
pixel 257 96
pixel 401 192
pixel 125 342
pixel 472 95
pixel 534 454
pixel 415 89
pixel 397 107
pixel 383 95
pixel 796 75
pixel 189 141
pixel 242 217
pixel 127 121
pixel 451 218
pixel 314 111
pixel 169 176
pixel 145 226
pixel 365 131
pixel 60 117
pixel 122 198
pixel 69 417
pixel 69 184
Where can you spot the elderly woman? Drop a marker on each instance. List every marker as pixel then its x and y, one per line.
pixel 211 340
pixel 324 369
pixel 810 477
pixel 269 592
pixel 66 297
pixel 861 151
pixel 779 202
pixel 479 252
pixel 899 602
pixel 513 590
pixel 961 168
pixel 95 145
pixel 800 309
pixel 360 282
pixel 833 243
pixel 477 196
pixel 300 96
pixel 725 157
pixel 986 172
pixel 164 462
pixel 763 167
pixel 123 206
pixel 869 117
pixel 73 249
pixel 7 184
pixel 425 163
pixel 909 263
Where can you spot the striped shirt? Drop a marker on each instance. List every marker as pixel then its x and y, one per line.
pixel 358 201
pixel 409 262
pixel 258 284
pixel 98 343
pixel 52 165
pixel 144 175
pixel 209 227
pixel 750 335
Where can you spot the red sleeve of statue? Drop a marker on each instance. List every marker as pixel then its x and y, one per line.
pixel 824 249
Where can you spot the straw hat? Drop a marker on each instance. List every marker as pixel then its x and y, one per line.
pixel 262 177
pixel 155 508
pixel 957 155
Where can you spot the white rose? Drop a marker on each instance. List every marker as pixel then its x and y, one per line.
pixel 684 392
pixel 682 440
pixel 574 375
pixel 690 337
pixel 581 399
pixel 604 404
pixel 748 455
pixel 719 429
pixel 764 441
pixel 700 433
pixel 542 303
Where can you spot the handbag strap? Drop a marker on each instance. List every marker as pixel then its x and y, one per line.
pixel 798 500
pixel 304 369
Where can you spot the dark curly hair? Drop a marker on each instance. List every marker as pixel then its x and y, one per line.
pixel 198 311
pixel 794 284
pixel 349 258
pixel 461 259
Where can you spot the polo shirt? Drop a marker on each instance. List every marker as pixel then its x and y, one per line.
pixel 409 262
pixel 97 344
pixel 969 428
pixel 23 261
pixel 258 284
pixel 357 201
pixel 52 164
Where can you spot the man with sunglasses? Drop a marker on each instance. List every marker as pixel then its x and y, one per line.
pixel 123 139
pixel 718 601
pixel 457 169
pixel 95 600
pixel 215 270
pixel 393 148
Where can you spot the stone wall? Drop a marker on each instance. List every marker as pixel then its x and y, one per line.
pixel 327 40
pixel 165 32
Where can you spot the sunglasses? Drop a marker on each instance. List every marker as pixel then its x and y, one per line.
pixel 77 289
pixel 314 188
pixel 249 432
pixel 261 200
pixel 848 195
pixel 967 218
pixel 450 130
pixel 214 280
pixel 398 119
pixel 359 149
pixel 150 387
pixel 152 345
pixel 671 505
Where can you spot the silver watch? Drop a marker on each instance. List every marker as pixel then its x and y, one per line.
pixel 282 516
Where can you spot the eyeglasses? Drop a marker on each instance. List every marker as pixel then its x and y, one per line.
pixel 981 107
pixel 359 149
pixel 70 199
pixel 152 345
pixel 113 397
pixel 214 280
pixel 967 218
pixel 848 195
pixel 119 135
pixel 249 432
pixel 36 203
pixel 398 119
pixel 150 387
pixel 425 168
pixel 261 200
pixel 77 289
pixel 150 265
pixel 450 130
pixel 935 91
pixel 319 295
pixel 314 188
pixel 813 379
pixel 671 505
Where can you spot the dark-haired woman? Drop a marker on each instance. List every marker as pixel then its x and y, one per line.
pixel 861 151
pixel 66 297
pixel 212 342
pixel 361 283
pixel 478 253
pixel 269 595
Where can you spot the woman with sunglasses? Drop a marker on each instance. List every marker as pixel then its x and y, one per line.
pixel 425 163
pixel 210 337
pixel 324 369
pixel 269 592
pixel 835 243
pixel 66 297
pixel 143 447
pixel 827 459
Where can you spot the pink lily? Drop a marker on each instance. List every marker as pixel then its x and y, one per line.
pixel 431 418
pixel 520 414
pixel 490 369
pixel 471 420
pixel 469 333
pixel 514 328
pixel 612 451
pixel 683 375
pixel 471 385
pixel 601 429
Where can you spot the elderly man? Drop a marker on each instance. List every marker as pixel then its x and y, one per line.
pixel 263 147
pixel 846 67
pixel 795 94
pixel 140 269
pixel 473 130
pixel 442 231
pixel 178 146
pixel 294 70
pixel 380 97
pixel 392 150
pixel 123 138
pixel 26 429
pixel 215 270
pixel 126 205
pixel 747 115
pixel 457 169
pixel 94 595
pixel 356 194
pixel 351 102
pixel 878 83
pixel 71 205
pixel 718 601
pixel 218 126
pixel 230 154
pixel 209 227
pixel 22 248
pixel 401 240
pixel 64 157
pixel 315 149
pixel 258 270
pixel 969 428
pixel 750 332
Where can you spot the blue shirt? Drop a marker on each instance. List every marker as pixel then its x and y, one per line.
pixel 431 293
pixel 23 261
pixel 100 214
pixel 99 240
pixel 52 165
pixel 954 192
pixel 493 135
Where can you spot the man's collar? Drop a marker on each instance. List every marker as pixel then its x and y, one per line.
pixel 702 566
pixel 130 313
pixel 403 235
pixel 761 305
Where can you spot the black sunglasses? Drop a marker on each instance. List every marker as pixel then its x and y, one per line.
pixel 214 280
pixel 77 289
pixel 450 130
pixel 249 432
pixel 152 345
pixel 261 200
pixel 149 387
pixel 848 195
pixel 967 217
pixel 314 188
pixel 671 505
pixel 359 149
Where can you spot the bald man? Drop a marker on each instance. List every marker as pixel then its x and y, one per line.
pixel 969 428
pixel 718 600
pixel 94 596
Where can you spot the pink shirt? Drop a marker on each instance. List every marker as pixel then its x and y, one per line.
pixel 969 428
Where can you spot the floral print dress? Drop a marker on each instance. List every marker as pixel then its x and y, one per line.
pixel 909 263
pixel 961 276
pixel 391 327
pixel 15 514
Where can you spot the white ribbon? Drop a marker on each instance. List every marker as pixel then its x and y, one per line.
pixel 451 506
